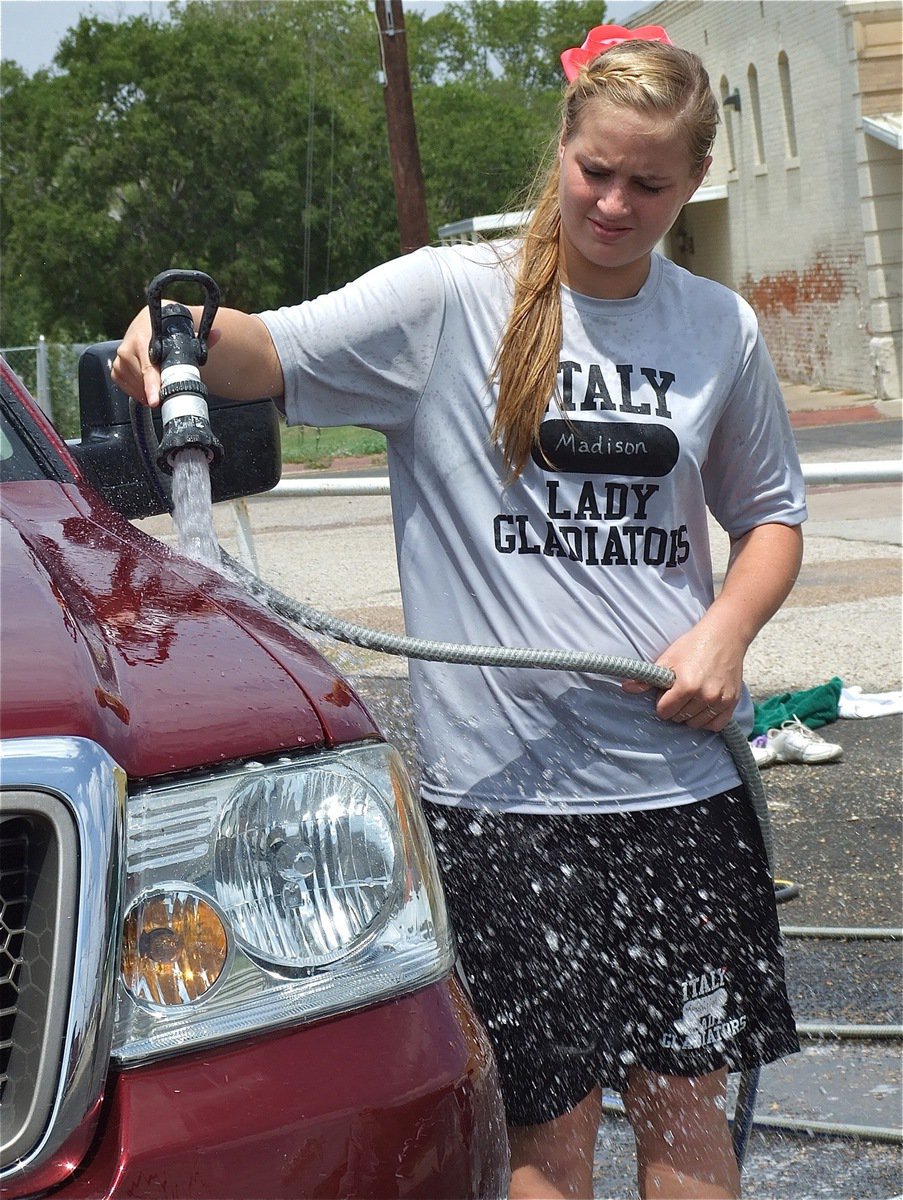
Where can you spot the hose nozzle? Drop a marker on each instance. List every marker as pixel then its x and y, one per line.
pixel 186 420
pixel 186 424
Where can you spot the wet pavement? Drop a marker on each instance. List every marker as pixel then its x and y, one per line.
pixel 779 1166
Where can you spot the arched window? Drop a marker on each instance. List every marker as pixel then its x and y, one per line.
pixel 787 99
pixel 752 79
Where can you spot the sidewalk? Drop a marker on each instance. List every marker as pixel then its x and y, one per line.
pixel 822 406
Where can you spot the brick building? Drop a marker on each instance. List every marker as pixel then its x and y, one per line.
pixel 802 210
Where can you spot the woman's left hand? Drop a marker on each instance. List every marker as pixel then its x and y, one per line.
pixel 708 670
pixel 707 660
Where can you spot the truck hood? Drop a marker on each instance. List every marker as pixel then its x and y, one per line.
pixel 110 635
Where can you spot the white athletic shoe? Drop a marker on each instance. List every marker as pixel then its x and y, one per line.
pixel 797 743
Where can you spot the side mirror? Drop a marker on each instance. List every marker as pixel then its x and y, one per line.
pixel 110 457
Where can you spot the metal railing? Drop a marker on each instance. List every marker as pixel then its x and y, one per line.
pixel 815 474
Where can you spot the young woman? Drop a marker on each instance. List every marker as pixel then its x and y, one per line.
pixel 562 413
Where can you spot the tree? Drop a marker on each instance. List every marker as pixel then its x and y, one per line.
pixel 232 138
pixel 469 169
pixel 517 40
pixel 488 81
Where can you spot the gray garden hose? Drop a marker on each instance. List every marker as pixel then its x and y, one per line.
pixel 508 656
pixel 552 660
pixel 744 1120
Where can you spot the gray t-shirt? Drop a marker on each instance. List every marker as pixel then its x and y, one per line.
pixel 668 406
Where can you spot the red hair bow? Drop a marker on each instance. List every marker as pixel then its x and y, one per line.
pixel 602 38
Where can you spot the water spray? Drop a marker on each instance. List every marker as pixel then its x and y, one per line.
pixel 180 353
pixel 744 1116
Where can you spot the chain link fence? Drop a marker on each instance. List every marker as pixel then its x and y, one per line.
pixel 50 372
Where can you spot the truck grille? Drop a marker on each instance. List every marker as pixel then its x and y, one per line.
pixel 38 885
pixel 62 810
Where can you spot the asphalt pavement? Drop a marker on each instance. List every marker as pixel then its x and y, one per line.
pixel 837 826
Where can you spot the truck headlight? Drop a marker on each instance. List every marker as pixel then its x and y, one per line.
pixel 306 863
pixel 272 894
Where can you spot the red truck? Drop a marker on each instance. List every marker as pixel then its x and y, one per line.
pixel 226 969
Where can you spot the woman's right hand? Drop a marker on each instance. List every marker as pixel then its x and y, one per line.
pixel 132 368
pixel 244 367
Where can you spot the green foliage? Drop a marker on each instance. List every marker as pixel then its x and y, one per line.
pixel 487 83
pixel 62 367
pixel 62 385
pixel 521 40
pixel 187 143
pixel 248 139
pixel 467 168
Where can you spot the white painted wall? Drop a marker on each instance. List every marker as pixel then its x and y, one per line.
pixel 811 239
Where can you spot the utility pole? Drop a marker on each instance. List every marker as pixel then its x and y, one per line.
pixel 407 175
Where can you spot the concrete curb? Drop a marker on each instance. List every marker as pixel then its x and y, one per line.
pixel 835 416
pixel 889 410
pixel 821 406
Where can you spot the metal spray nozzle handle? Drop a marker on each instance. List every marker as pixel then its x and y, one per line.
pixel 155 291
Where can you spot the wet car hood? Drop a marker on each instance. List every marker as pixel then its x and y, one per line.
pixel 110 635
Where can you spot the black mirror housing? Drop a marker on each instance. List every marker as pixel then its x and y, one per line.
pixel 111 459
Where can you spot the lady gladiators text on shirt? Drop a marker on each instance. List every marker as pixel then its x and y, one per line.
pixel 610 523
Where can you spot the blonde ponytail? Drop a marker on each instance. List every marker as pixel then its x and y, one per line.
pixel 526 365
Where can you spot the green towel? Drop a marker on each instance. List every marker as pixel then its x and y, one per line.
pixel 815 707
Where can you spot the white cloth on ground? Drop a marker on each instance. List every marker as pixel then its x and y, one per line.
pixel 854 702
